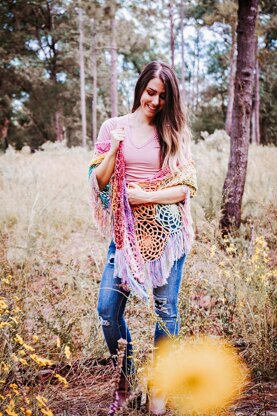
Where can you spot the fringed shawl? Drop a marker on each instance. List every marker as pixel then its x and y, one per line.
pixel 148 237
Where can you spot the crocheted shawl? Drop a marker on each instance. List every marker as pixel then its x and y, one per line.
pixel 148 237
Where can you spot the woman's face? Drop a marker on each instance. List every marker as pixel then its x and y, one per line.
pixel 153 98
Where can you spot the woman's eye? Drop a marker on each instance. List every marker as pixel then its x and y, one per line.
pixel 151 93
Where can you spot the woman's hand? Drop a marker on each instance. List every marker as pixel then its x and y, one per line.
pixel 136 195
pixel 117 136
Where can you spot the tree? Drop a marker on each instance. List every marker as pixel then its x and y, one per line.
pixel 255 116
pixel 183 75
pixel 235 180
pixel 40 73
pixel 47 31
pixel 231 84
pixel 14 35
pixel 197 75
pixel 82 76
pixel 94 83
pixel 37 69
pixel 268 72
pixel 171 25
pixel 113 69
pixel 225 14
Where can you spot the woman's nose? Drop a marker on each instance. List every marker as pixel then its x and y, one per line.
pixel 155 100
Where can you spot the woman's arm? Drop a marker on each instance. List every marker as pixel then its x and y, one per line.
pixel 104 171
pixel 137 195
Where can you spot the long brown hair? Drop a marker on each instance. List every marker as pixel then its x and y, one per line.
pixel 170 121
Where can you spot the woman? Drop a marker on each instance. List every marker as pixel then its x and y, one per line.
pixel 142 178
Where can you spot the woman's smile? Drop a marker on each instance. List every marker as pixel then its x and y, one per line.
pixel 152 109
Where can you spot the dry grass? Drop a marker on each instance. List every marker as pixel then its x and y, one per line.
pixel 52 258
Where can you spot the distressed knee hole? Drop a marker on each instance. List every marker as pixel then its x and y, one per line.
pixel 161 305
pixel 104 322
pixel 111 259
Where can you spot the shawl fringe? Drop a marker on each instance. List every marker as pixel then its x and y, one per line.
pixel 101 216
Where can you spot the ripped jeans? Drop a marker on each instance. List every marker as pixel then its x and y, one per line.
pixel 112 301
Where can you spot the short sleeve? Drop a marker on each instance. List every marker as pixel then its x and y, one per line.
pixel 105 130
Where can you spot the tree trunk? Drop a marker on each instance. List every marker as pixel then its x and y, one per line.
pixel 231 86
pixel 4 143
pixel 170 9
pixel 183 87
pixel 94 85
pixel 82 79
pixel 113 71
pixel 197 55
pixel 235 180
pixel 257 101
pixel 193 80
pixel 58 128
pixel 255 119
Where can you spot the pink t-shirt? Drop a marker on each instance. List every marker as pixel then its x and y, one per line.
pixel 141 162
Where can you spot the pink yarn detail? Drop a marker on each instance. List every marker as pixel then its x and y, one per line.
pixel 103 147
pixel 118 199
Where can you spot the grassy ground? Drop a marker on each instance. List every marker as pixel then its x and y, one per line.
pixel 51 262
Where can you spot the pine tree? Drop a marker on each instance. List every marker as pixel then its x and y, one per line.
pixel 82 76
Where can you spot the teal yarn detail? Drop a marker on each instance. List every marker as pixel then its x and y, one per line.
pixel 91 169
pixel 168 215
pixel 104 195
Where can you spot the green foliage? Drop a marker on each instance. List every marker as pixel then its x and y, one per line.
pixel 208 118
pixel 268 91
pixel 199 9
pixel 268 71
pixel 39 72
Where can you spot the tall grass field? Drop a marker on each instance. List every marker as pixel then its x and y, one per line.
pixel 52 352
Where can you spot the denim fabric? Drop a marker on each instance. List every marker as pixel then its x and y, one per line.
pixel 112 301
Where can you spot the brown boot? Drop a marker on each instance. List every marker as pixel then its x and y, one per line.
pixel 121 394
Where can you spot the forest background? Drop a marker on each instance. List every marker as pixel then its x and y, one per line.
pixel 46 46
pixel 66 66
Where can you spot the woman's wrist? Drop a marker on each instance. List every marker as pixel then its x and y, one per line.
pixel 111 153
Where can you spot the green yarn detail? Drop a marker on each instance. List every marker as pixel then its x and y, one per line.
pixel 104 195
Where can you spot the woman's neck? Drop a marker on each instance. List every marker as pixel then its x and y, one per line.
pixel 140 119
